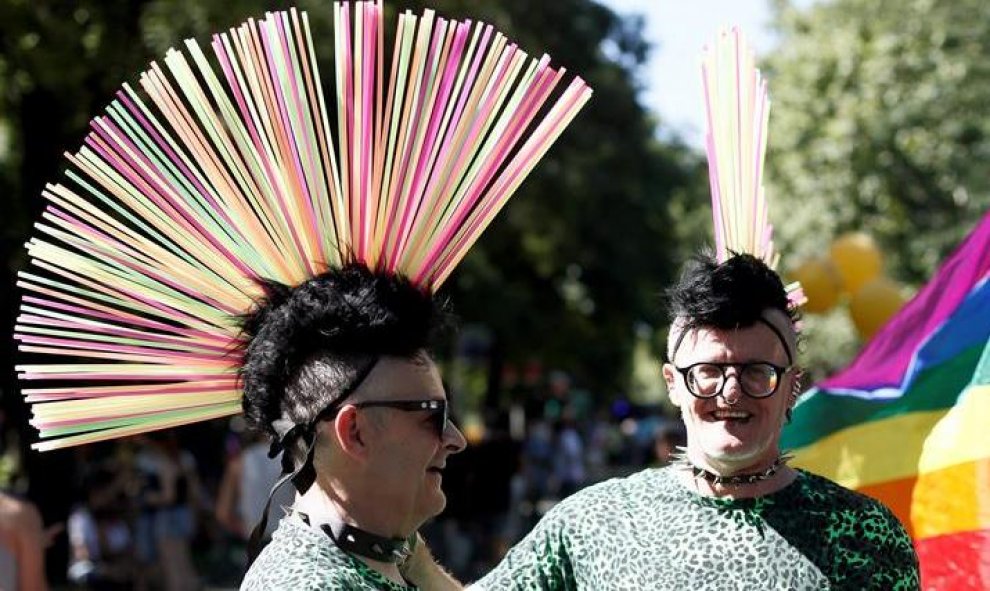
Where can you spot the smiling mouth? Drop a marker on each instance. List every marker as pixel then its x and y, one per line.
pixel 730 416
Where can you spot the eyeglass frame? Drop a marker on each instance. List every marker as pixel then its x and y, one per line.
pixel 781 371
pixel 439 410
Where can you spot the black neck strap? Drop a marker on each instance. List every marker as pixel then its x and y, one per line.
pixel 355 540
pixel 254 542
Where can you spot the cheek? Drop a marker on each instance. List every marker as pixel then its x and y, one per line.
pixel 692 408
pixel 680 397
pixel 773 409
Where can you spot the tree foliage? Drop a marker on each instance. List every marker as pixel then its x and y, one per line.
pixel 879 123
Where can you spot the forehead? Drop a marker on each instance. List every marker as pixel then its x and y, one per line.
pixel 396 378
pixel 756 342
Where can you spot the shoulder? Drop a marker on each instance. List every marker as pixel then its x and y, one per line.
pixel 820 492
pixel 19 514
pixel 297 558
pixel 868 547
pixel 612 502
pixel 636 488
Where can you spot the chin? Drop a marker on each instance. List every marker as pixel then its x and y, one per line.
pixel 433 505
pixel 733 452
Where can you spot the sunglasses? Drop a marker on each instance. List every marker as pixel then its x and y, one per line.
pixel 436 408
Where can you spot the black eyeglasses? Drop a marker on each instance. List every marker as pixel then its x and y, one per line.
pixel 436 408
pixel 757 380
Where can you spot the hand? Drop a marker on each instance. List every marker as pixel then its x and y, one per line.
pixel 421 569
pixel 51 532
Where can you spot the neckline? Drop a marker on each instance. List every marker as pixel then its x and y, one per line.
pixel 364 570
pixel 731 502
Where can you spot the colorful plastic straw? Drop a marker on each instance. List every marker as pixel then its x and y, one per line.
pixel 225 171
pixel 737 110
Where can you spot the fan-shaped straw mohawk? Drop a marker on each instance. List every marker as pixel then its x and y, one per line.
pixel 737 110
pixel 184 198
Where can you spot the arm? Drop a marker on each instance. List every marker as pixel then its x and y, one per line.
pixel 540 561
pixel 197 497
pixel 896 560
pixel 30 551
pixel 228 496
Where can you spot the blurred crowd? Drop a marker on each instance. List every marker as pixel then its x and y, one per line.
pixel 170 511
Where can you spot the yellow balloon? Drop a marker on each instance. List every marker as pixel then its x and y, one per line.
pixel 874 304
pixel 857 259
pixel 473 430
pixel 821 284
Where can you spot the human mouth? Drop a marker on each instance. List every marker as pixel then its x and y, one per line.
pixel 730 416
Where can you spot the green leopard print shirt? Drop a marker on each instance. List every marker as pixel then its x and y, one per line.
pixel 300 558
pixel 649 531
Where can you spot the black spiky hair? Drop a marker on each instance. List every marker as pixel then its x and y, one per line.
pixel 304 346
pixel 733 294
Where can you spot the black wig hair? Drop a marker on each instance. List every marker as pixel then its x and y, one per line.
pixel 733 294
pixel 306 345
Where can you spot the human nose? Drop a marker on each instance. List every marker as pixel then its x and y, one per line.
pixel 453 440
pixel 731 393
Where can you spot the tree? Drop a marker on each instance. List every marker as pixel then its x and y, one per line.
pixel 879 123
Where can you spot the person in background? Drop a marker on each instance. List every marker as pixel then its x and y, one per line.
pixel 669 438
pixel 168 498
pixel 22 546
pixel 100 540
pixel 248 477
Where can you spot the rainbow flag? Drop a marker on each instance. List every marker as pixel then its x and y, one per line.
pixel 908 422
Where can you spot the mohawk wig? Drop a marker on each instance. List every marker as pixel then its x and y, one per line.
pixel 727 295
pixel 305 346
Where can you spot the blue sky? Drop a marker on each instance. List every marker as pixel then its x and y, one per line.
pixel 678 29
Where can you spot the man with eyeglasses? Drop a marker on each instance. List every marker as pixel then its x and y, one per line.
pixel 730 513
pixel 337 371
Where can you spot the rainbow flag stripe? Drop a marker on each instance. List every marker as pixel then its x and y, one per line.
pixel 906 422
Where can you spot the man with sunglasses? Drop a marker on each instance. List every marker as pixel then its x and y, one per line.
pixel 338 372
pixel 730 513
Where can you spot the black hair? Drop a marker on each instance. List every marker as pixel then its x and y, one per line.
pixel 305 346
pixel 728 295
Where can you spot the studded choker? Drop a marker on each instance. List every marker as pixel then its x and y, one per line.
pixel 681 460
pixel 358 541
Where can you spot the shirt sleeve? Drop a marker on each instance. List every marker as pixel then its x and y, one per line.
pixel 874 552
pixel 539 562
pixel 896 562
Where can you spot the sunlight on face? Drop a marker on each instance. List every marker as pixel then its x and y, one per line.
pixel 408 454
pixel 731 431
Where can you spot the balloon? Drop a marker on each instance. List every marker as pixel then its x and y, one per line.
pixel 821 284
pixel 874 304
pixel 473 430
pixel 857 259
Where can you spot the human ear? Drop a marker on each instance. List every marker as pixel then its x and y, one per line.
pixel 670 377
pixel 350 432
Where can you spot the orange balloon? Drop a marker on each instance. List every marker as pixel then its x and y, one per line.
pixel 874 304
pixel 820 282
pixel 857 259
